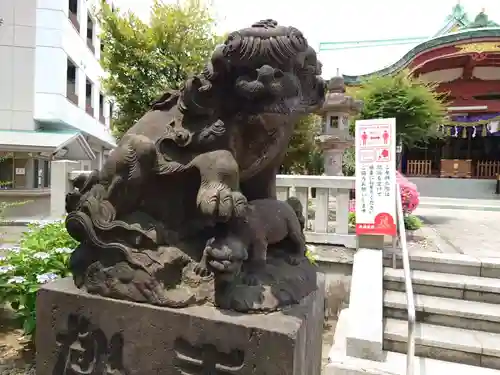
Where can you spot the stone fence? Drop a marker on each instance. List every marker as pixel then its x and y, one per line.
pixel 327 212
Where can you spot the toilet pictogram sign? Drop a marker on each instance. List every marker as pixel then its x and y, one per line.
pixel 376 177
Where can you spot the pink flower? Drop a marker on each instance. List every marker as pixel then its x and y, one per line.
pixel 409 194
pixel 352 205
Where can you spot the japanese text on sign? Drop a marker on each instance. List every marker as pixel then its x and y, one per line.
pixel 376 176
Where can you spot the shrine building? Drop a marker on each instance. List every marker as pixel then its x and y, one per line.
pixel 463 58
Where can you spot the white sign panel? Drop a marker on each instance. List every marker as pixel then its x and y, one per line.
pixel 376 176
pixel 20 171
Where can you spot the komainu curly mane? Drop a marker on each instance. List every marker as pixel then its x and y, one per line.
pixel 265 39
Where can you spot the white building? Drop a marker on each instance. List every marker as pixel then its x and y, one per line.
pixel 51 102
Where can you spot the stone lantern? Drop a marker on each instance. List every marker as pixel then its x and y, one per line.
pixel 335 113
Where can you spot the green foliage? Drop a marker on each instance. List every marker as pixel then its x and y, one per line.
pixel 412 222
pixel 303 155
pixel 349 162
pixel 144 60
pixel 311 254
pixel 415 104
pixel 352 219
pixel 42 257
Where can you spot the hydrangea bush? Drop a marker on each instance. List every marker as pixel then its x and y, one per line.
pixel 41 257
pixel 409 194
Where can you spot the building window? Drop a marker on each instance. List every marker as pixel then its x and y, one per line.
pixel 101 108
pixel 111 110
pixel 73 14
pixel 71 92
pixel 6 171
pixel 88 98
pixel 46 173
pixel 36 174
pixel 90 33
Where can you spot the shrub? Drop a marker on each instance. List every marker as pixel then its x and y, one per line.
pixel 409 194
pixel 412 222
pixel 311 253
pixel 42 257
pixel 352 219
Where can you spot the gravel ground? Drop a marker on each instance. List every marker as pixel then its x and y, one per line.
pixel 16 356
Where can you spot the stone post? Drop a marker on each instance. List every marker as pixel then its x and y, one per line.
pixel 60 185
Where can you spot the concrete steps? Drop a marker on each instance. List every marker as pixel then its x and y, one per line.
pixel 458 264
pixel 393 364
pixel 457 303
pixel 445 311
pixel 477 348
pixel 471 288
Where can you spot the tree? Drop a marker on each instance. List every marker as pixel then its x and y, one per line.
pixel 415 104
pixel 144 60
pixel 303 154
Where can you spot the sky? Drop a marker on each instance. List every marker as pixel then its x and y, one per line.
pixel 340 20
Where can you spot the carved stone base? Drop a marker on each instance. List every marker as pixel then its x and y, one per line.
pixel 80 333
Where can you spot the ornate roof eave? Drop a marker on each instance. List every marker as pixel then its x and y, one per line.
pixel 464 35
pixel 461 20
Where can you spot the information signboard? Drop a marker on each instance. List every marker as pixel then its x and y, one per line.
pixel 376 177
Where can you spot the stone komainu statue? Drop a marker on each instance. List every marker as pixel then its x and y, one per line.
pixel 183 178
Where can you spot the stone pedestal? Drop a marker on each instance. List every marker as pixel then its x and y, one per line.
pixel 79 333
pixel 333 161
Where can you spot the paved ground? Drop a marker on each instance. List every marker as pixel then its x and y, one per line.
pixel 472 232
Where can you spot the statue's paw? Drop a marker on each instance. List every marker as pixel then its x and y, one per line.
pixel 216 201
pixel 201 270
pixel 224 266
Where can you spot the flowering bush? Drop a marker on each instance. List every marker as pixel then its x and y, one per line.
pixel 409 194
pixel 41 257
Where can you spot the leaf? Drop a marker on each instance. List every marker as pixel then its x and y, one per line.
pixel 29 324
pixel 415 104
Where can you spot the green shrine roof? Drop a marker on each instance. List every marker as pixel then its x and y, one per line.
pixel 458 27
pixel 459 20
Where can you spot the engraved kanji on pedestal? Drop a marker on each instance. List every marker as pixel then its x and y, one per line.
pixel 206 359
pixel 85 350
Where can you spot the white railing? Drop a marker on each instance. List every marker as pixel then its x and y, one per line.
pixel 410 302
pixel 331 199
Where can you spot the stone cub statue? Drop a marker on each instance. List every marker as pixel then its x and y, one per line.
pixel 265 222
